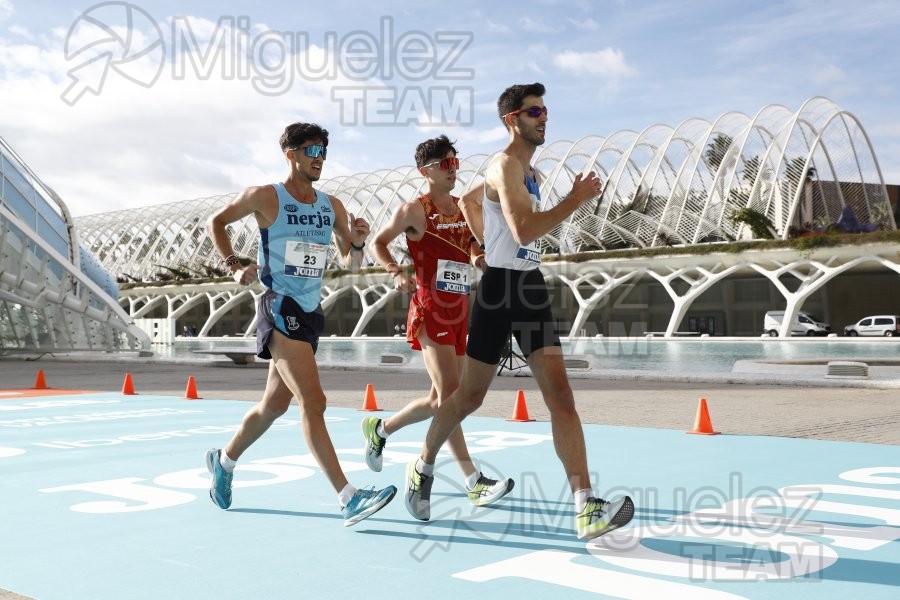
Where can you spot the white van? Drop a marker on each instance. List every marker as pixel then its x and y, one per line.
pixel 804 324
pixel 888 325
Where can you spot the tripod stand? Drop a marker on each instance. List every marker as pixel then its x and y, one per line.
pixel 512 361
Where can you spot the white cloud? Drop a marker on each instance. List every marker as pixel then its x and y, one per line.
pixel 534 67
pixel 350 134
pixel 607 63
pixel 495 134
pixel 129 145
pixel 588 24
pixel 467 138
pixel 205 133
pixel 541 26
pixel 829 74
pixel 21 32
pixel 494 27
pixel 6 9
pixel 568 5
pixel 531 25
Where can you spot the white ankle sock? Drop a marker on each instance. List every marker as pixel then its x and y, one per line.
pixel 424 468
pixel 581 499
pixel 380 429
pixel 472 479
pixel 346 494
pixel 226 462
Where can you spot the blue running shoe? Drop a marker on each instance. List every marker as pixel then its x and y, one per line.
pixel 366 502
pixel 220 488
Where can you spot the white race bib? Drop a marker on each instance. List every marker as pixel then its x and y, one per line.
pixel 529 253
pixel 302 259
pixel 454 277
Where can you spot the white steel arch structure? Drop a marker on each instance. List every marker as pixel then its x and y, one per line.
pixel 141 244
pixel 663 186
pixel 54 295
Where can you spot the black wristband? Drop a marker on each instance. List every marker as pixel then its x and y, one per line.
pixel 357 248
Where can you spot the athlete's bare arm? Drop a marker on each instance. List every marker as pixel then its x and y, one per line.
pixel 261 201
pixel 409 219
pixel 349 231
pixel 470 205
pixel 506 183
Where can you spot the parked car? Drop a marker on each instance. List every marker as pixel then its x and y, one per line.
pixel 880 325
pixel 804 324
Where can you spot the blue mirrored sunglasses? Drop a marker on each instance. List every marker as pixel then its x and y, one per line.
pixel 314 151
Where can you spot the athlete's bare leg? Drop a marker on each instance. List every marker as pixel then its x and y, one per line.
pixel 443 366
pixel 549 371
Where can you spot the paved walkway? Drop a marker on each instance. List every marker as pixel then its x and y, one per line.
pixel 740 405
pixel 110 490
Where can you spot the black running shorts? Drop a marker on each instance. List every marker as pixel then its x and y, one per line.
pixel 510 301
pixel 275 311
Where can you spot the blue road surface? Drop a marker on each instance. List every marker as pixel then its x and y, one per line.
pixel 106 496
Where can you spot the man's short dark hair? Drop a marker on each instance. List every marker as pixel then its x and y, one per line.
pixel 296 134
pixel 433 149
pixel 512 97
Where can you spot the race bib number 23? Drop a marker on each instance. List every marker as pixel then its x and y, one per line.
pixel 302 259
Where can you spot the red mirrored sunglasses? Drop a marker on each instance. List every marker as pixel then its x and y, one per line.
pixel 446 164
pixel 532 111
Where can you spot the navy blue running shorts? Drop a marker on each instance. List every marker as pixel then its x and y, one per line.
pixel 510 301
pixel 275 311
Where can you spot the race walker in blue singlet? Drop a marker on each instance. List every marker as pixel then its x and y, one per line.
pixel 292 253
pixel 297 225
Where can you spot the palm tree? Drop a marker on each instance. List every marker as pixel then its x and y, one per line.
pixel 714 155
pixel 716 150
pixel 751 170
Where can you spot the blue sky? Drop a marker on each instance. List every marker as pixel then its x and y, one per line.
pixel 114 122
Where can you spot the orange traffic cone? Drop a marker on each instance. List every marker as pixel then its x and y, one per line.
pixel 369 404
pixel 520 411
pixel 191 392
pixel 128 386
pixel 702 423
pixel 40 383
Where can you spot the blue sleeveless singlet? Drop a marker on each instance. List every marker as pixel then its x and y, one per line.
pixel 293 250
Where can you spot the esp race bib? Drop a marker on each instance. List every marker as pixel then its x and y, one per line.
pixel 454 277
